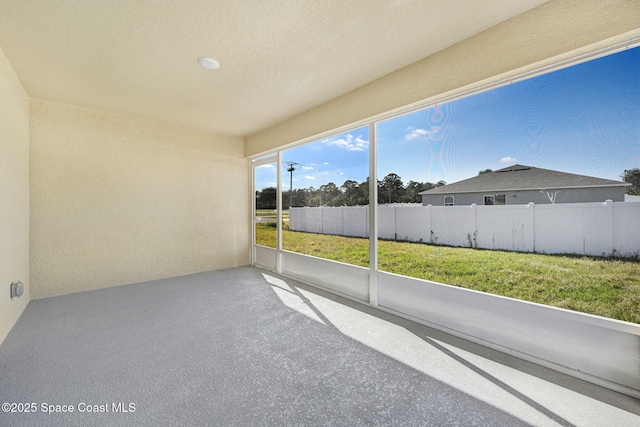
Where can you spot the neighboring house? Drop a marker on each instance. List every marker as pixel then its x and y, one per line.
pixel 520 184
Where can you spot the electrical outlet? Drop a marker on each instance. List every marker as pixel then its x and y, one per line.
pixel 17 289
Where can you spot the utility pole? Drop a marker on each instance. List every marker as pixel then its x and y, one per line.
pixel 290 169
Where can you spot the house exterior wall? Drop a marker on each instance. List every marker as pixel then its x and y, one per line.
pixel 570 195
pixel 117 200
pixel 14 195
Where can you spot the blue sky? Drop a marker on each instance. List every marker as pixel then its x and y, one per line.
pixel 584 119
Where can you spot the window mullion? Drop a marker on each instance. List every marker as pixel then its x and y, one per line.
pixel 373 224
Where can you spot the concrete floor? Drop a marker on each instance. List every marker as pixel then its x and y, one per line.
pixel 245 347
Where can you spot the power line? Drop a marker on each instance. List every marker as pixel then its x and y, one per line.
pixel 291 167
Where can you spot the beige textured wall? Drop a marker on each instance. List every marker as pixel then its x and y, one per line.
pixel 14 194
pixel 554 31
pixel 118 200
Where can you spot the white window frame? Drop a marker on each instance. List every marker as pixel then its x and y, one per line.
pixel 581 345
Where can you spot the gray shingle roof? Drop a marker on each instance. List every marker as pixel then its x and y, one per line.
pixel 521 177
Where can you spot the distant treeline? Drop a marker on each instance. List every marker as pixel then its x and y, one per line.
pixel 391 189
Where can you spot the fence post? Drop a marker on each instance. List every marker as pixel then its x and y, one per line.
pixel 304 215
pixel 367 230
pixel 395 222
pixel 531 209
pixel 608 204
pixel 472 237
pixel 429 223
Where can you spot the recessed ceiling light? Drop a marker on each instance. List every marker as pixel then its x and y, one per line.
pixel 208 63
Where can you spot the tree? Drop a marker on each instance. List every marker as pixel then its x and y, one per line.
pixel 391 189
pixel 298 198
pixel 413 190
pixel 312 197
pixel 352 193
pixel 632 176
pixel 331 194
pixel 266 198
pixel 485 171
pixel 364 189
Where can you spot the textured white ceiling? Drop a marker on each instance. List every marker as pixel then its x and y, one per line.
pixel 278 57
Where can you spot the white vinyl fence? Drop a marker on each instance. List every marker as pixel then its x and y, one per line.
pixel 608 228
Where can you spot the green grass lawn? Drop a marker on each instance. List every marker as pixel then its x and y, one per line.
pixel 601 286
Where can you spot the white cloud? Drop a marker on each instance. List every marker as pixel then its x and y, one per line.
pixel 267 166
pixel 307 168
pixel 310 177
pixel 326 163
pixel 349 143
pixel 508 159
pixel 416 133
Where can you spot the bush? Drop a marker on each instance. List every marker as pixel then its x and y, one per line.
pixel 285 225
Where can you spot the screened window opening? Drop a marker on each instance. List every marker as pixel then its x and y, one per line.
pixel 551 155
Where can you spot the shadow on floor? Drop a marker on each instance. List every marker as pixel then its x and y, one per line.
pixel 243 347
